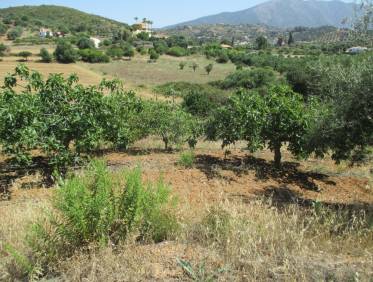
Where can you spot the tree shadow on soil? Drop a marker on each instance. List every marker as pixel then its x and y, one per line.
pixel 282 196
pixel 134 151
pixel 264 170
pixel 10 172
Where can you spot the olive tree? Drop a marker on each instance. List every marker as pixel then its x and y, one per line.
pixel 25 55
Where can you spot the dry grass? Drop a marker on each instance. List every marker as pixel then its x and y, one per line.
pixel 15 221
pixel 231 241
pixel 138 71
pixel 34 49
pixel 86 76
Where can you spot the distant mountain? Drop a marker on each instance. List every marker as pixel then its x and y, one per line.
pixel 57 18
pixel 285 13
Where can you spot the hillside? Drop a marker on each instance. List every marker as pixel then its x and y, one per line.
pixel 58 18
pixel 285 13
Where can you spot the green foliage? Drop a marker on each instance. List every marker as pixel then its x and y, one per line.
pixel 177 41
pixel 160 46
pixel 182 65
pixel 115 52
pixel 187 159
pixel 277 118
pixel 347 127
pixel 249 79
pixel 93 56
pixel 261 43
pixel 154 56
pixel 50 116
pixel 60 19
pixel 202 102
pixel 171 123
pixel 194 66
pixel 291 39
pixel 209 68
pixel 99 207
pixel 3 28
pixel 65 53
pixel 199 272
pixel 46 57
pixel 14 33
pixel 177 51
pixel 85 43
pixel 3 49
pixel 123 119
pixel 143 36
pixel 24 54
pixel 222 57
pixel 128 51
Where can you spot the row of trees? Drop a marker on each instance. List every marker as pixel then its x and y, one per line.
pixel 65 120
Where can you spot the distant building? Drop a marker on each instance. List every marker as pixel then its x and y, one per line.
pixel 226 46
pixel 45 32
pixel 144 26
pixel 356 50
pixel 95 41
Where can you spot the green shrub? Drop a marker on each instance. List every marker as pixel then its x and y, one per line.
pixel 46 57
pixel 99 207
pixel 249 79
pixel 209 68
pixel 24 54
pixel 115 52
pixel 187 159
pixel 160 46
pixel 14 33
pixel 65 53
pixel 177 51
pixel 182 65
pixel 85 43
pixel 153 55
pixel 93 56
pixel 222 58
pixel 3 49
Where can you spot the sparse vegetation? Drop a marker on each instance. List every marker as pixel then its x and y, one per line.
pixel 187 159
pixel 265 140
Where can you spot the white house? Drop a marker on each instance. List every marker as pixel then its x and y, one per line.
pixel 45 32
pixel 96 41
pixel 356 50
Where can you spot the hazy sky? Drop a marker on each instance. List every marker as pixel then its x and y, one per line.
pixel 161 12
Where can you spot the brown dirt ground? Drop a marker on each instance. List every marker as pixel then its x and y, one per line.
pixel 242 175
pixel 215 177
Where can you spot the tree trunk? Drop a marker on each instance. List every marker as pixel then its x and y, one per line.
pixel 165 141
pixel 277 159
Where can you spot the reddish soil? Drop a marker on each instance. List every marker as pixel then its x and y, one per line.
pixel 242 176
pixel 215 177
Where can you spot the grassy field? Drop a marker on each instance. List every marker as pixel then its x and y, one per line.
pixel 86 76
pixel 139 72
pixel 34 49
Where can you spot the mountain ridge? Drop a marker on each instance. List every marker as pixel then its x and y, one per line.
pixel 284 14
